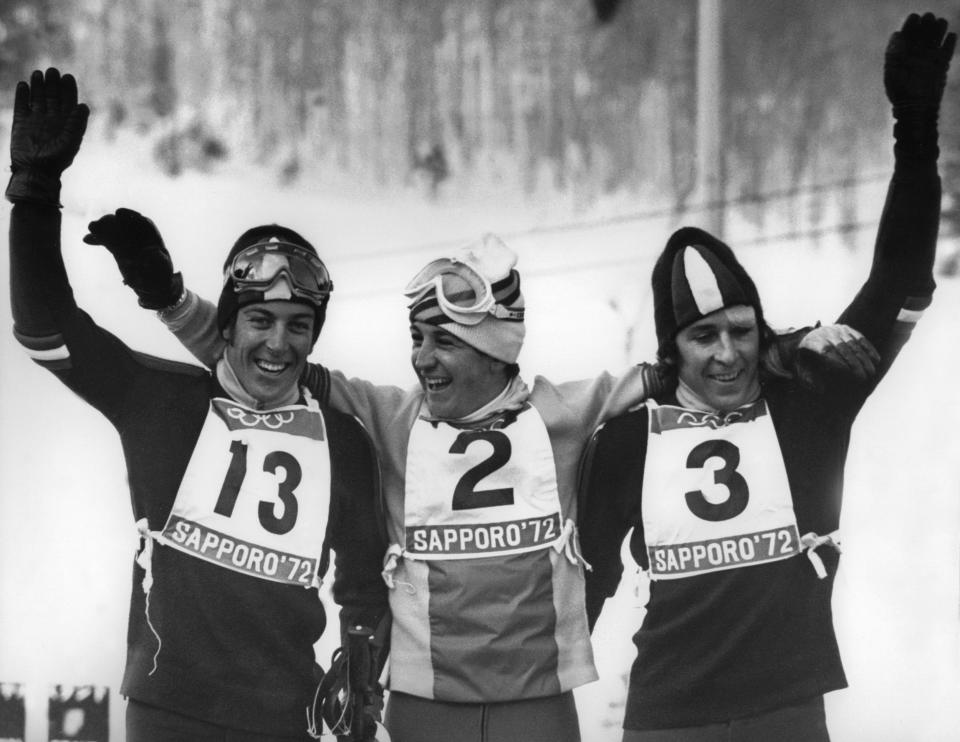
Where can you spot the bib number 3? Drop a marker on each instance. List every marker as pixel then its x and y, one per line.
pixel 727 475
pixel 266 511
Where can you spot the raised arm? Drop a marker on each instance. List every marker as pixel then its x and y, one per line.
pixel 900 284
pixel 48 126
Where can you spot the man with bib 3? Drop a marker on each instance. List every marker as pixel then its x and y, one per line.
pixel 241 481
pixel 733 483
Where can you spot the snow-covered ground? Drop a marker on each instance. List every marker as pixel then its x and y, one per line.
pixel 66 535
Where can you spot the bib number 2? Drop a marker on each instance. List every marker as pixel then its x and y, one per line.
pixel 738 492
pixel 465 496
pixel 266 511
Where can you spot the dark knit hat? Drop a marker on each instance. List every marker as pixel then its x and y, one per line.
pixel 231 300
pixel 697 274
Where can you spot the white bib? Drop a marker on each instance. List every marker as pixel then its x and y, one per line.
pixel 256 493
pixel 715 492
pixel 475 493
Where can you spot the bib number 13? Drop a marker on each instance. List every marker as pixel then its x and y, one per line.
pixel 727 475
pixel 266 511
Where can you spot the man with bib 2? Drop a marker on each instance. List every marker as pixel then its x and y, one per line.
pixel 241 481
pixel 489 636
pixel 733 484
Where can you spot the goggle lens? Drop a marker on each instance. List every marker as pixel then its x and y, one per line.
pixel 459 292
pixel 260 266
pixel 459 289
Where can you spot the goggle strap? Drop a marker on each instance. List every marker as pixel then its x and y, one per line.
pixel 503 283
pixel 505 313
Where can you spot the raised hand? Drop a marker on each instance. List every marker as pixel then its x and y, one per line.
pixel 143 259
pixel 48 126
pixel 916 61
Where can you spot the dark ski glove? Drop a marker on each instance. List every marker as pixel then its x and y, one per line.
pixel 834 355
pixel 914 75
pixel 916 61
pixel 48 126
pixel 144 262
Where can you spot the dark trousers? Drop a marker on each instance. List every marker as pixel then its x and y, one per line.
pixel 550 719
pixel 805 722
pixel 147 723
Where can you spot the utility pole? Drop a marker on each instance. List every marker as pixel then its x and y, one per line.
pixel 709 187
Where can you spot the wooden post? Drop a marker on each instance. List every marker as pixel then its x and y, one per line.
pixel 709 121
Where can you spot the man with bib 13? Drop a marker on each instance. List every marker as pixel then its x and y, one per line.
pixel 240 480
pixel 733 483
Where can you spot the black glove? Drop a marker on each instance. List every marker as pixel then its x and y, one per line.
pixel 144 262
pixel 48 126
pixel 914 75
pixel 835 356
pixel 916 61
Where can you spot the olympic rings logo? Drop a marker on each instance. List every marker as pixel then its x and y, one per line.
pixel 272 420
pixel 710 419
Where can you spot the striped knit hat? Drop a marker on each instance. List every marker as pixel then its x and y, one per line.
pixel 500 332
pixel 697 274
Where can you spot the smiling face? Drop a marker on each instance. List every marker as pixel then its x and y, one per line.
pixel 267 347
pixel 719 357
pixel 456 378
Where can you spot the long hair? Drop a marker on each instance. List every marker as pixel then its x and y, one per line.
pixel 771 364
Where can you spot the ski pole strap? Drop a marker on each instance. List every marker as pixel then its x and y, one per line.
pixel 332 697
pixel 347 695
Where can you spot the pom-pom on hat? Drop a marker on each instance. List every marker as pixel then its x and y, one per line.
pixel 479 299
pixel 300 274
pixel 697 274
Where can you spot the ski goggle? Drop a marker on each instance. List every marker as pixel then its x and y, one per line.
pixel 260 266
pixel 462 293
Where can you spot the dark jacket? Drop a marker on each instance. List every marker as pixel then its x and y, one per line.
pixel 738 642
pixel 234 650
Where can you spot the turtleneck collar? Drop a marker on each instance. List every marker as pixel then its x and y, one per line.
pixel 232 386
pixel 513 397
pixel 691 400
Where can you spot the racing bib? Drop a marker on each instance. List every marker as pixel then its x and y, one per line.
pixel 256 493
pixel 476 493
pixel 715 492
